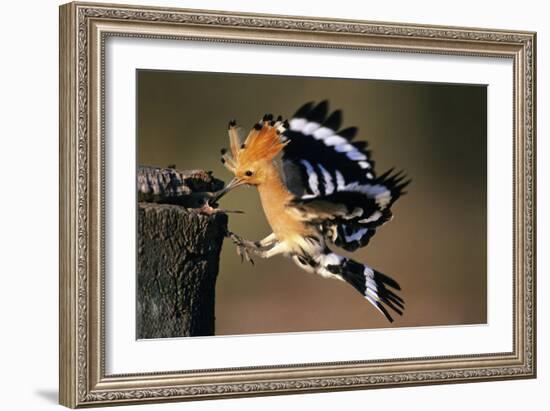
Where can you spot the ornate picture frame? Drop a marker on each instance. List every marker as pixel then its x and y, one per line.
pixel 84 29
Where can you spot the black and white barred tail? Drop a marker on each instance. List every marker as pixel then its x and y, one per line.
pixel 374 286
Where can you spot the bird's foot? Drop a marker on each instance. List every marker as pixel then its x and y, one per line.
pixel 244 247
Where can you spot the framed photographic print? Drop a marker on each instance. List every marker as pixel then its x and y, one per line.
pixel 259 204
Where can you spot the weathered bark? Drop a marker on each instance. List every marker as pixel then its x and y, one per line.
pixel 171 186
pixel 178 259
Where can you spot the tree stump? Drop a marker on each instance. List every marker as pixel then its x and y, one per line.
pixel 178 252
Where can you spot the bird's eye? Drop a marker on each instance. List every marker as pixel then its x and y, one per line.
pixel 248 173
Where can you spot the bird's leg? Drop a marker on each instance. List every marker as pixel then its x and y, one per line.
pixel 246 247
pixel 267 242
pixel 275 249
pixel 265 252
pixel 264 244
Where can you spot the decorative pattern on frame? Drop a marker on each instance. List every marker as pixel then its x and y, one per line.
pixel 84 14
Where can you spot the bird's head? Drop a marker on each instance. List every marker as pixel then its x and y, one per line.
pixel 250 160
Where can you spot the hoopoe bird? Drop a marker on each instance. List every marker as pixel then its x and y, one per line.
pixel 324 190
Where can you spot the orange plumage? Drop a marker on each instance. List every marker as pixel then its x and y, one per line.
pixel 263 144
pixel 327 192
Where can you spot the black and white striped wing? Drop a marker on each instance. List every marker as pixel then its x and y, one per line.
pixel 321 158
pixel 333 178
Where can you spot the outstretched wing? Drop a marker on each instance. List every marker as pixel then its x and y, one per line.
pixel 333 178
pixel 321 157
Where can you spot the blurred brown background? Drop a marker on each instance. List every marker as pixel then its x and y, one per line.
pixel 435 247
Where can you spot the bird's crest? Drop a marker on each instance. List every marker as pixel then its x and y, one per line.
pixel 263 142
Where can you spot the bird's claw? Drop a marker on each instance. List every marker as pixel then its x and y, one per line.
pixel 244 253
pixel 243 249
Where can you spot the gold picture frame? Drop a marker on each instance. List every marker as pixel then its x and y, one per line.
pixel 84 27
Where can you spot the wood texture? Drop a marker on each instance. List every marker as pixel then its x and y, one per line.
pixel 177 266
pixel 178 250
pixel 172 186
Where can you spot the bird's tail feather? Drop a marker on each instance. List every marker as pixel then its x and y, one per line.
pixel 372 284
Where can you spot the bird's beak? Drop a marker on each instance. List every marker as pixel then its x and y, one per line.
pixel 236 182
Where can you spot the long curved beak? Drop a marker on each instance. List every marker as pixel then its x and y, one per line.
pixel 236 182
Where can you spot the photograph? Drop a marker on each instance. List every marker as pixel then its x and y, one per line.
pixel 287 204
pixel 265 202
